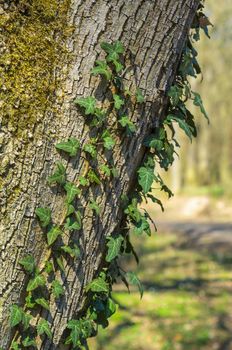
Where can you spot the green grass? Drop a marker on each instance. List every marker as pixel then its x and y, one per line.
pixel 186 304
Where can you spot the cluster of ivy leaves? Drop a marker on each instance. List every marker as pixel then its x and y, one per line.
pixel 43 284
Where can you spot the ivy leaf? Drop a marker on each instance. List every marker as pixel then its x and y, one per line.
pixel 48 267
pixel 27 342
pixel 105 170
pixel 155 200
pixel 71 225
pixel 108 140
pixel 132 211
pixel 91 149
pixel 70 210
pixel 75 334
pixel 139 96
pixel 29 301
pixel 175 93
pixel 44 215
pixel 57 289
pixel 142 226
pixel 37 281
pixel 198 102
pixel 14 346
pixel 113 51
pixel 71 146
pixel 16 315
pixel 42 302
pixel 128 124
pixel 114 246
pixel 53 234
pixel 28 263
pixel 118 101
pixel 26 318
pixel 102 69
pixel 98 285
pixel 152 142
pixel 146 178
pixel 73 252
pixel 134 280
pixel 78 218
pixel 43 327
pixel 92 176
pixel 60 263
pixel 88 103
pixel 83 181
pixel 59 176
pixel 189 131
pixel 118 66
pixel 94 206
pixel 72 191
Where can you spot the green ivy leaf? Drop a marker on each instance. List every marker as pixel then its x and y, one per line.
pixel 27 342
pixel 88 103
pixel 94 206
pixel 53 234
pixel 26 318
pixel 83 181
pixel 91 149
pixel 16 315
pixel 93 178
pixel 28 263
pixel 128 124
pixel 105 170
pixel 57 289
pixel 175 93
pixel 189 131
pixel 71 146
pixel 59 176
pixel 134 280
pixel 113 53
pixel 72 191
pixel 29 301
pixel 139 96
pixel 70 210
pixel 118 101
pixel 98 285
pixel 108 140
pixel 198 102
pixel 43 327
pixel 44 215
pixel 146 178
pixel 73 252
pixel 114 246
pixel 37 281
pixel 153 142
pixel 48 267
pixel 80 330
pixel 132 211
pixel 142 226
pixel 60 263
pixel 155 200
pixel 102 69
pixel 78 218
pixel 14 346
pixel 43 302
pixel 72 225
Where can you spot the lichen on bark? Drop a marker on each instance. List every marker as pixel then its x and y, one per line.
pixel 33 34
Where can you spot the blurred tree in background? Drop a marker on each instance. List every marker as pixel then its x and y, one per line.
pixel 208 161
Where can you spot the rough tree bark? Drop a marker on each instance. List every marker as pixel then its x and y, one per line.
pixel 153 33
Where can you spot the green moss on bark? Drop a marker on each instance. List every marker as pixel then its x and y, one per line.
pixel 34 34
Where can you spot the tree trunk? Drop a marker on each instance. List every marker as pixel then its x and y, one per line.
pixel 153 33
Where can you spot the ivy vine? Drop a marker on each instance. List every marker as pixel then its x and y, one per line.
pixel 160 146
